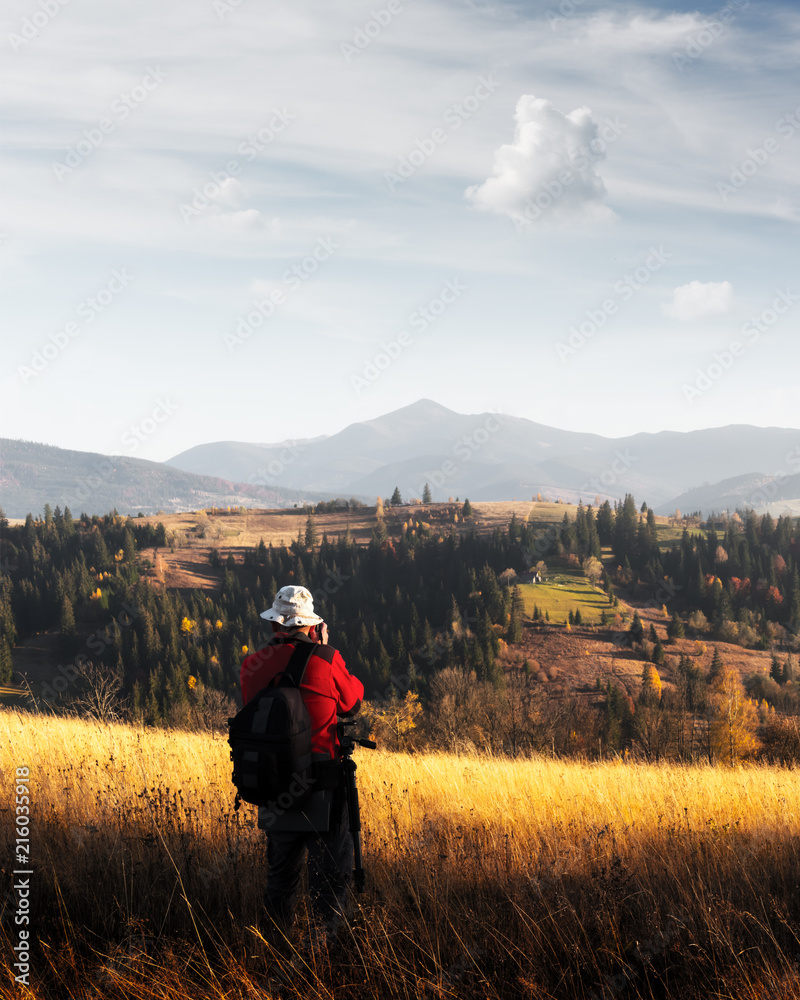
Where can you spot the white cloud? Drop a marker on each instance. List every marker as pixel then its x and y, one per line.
pixel 551 166
pixel 699 299
pixel 244 221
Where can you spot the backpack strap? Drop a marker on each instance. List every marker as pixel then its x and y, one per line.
pixel 295 669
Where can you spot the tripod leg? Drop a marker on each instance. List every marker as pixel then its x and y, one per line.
pixel 355 824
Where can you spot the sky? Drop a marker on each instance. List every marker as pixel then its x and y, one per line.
pixel 248 221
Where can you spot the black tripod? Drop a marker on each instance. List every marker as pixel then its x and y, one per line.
pixel 346 747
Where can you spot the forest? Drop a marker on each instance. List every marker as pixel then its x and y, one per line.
pixel 433 621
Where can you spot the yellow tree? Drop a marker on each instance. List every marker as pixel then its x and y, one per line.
pixel 734 718
pixel 651 683
pixel 393 723
pixel 652 721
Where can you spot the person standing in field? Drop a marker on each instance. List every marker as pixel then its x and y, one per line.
pixel 321 830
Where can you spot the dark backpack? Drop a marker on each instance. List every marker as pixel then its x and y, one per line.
pixel 270 740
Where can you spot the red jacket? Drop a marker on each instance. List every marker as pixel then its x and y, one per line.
pixel 328 689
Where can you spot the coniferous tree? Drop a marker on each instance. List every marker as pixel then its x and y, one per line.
pixel 636 631
pixel 426 494
pixel 625 529
pixel 129 548
pixel 605 523
pixel 675 629
pixel 66 624
pixel 716 666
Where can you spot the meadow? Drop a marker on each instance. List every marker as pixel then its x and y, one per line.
pixel 562 591
pixel 487 877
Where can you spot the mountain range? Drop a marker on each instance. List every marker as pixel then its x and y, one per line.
pixel 485 456
pixel 492 456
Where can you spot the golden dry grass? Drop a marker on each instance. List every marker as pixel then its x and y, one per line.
pixel 487 877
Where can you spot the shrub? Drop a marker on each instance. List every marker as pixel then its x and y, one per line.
pixel 780 736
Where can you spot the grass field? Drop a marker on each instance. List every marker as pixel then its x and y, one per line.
pixel 669 534
pixel 487 877
pixel 563 591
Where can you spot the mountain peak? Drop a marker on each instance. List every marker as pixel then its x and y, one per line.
pixel 425 409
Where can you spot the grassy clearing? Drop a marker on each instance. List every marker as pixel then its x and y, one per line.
pixel 669 535
pixel 486 877
pixel 564 591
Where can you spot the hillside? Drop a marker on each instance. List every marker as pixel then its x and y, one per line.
pixel 32 475
pixel 234 532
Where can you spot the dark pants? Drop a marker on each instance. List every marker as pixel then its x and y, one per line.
pixel 330 869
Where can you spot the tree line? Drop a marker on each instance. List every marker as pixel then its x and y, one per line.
pixel 429 620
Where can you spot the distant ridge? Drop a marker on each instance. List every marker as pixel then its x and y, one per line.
pixel 755 490
pixel 32 475
pixel 492 456
pixel 484 456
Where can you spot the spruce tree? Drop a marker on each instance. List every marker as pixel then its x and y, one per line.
pixel 426 494
pixel 517 609
pixel 605 523
pixel 129 548
pixel 716 665
pixel 675 628
pixel 66 623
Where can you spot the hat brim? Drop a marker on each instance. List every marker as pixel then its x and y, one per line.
pixel 272 616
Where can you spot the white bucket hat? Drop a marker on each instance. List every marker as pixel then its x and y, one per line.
pixel 292 606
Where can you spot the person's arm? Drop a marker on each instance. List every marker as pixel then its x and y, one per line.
pixel 349 689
